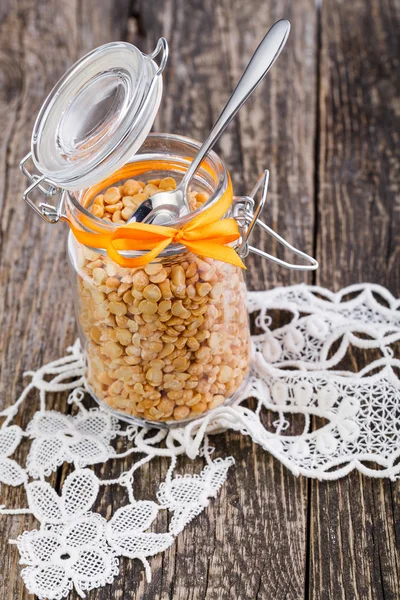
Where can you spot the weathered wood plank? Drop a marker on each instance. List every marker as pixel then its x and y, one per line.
pixel 354 521
pixel 251 541
pixel 276 129
pixel 38 42
pixel 359 180
pixel 28 275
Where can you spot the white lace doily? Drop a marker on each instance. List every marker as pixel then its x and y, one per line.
pixel 349 421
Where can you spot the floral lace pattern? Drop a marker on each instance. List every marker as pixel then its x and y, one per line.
pixel 293 377
pixel 319 420
pixel 70 549
pixel 83 440
pixel 10 471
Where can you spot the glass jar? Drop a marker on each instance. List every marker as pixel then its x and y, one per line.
pixel 167 340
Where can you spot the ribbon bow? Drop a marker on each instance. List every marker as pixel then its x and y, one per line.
pixel 206 234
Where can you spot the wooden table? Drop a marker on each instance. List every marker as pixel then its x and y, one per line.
pixel 326 124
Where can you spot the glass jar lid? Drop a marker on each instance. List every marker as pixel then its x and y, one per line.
pixel 98 114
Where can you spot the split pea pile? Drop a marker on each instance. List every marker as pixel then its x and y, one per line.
pixel 118 204
pixel 166 342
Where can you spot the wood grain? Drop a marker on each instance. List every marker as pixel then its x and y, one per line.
pixel 354 524
pixel 268 535
pixel 38 42
pixel 31 298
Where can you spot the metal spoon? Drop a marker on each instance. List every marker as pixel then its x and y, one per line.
pixel 164 207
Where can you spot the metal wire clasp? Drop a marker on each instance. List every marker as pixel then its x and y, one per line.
pixel 49 212
pixel 246 211
pixel 162 46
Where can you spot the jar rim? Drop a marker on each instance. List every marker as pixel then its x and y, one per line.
pixel 215 163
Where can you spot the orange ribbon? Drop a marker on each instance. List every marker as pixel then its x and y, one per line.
pixel 206 235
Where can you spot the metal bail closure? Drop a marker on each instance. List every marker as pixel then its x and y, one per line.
pixel 49 212
pixel 93 121
pixel 246 211
pixel 161 48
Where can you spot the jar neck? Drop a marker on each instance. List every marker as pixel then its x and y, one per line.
pixel 156 159
pixel 212 177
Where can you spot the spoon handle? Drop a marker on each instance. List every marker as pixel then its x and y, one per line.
pixel 259 65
